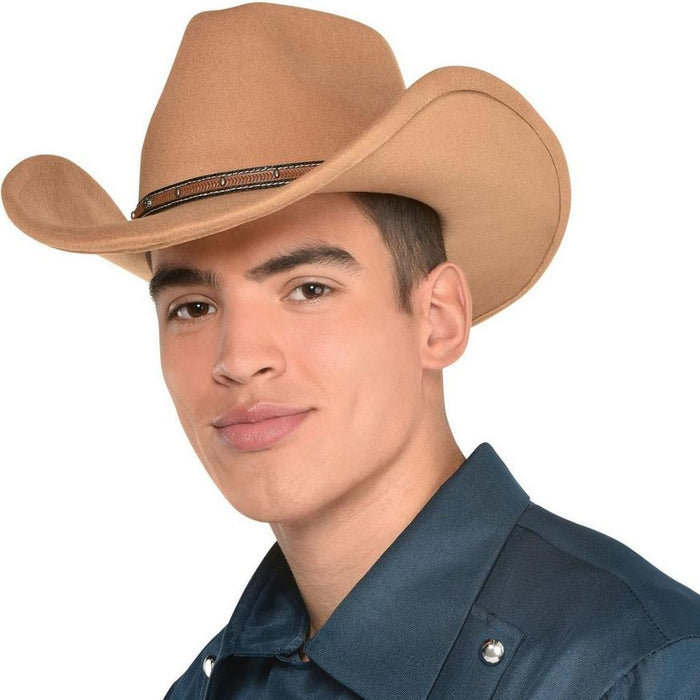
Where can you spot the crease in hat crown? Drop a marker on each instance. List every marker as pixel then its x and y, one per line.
pixel 311 82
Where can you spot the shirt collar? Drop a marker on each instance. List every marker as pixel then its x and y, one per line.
pixel 391 634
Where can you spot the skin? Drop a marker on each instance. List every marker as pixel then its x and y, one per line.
pixel 341 487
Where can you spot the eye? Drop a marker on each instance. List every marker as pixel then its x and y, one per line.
pixel 316 291
pixel 191 311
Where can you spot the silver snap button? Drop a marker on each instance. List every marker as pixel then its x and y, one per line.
pixel 208 665
pixel 491 651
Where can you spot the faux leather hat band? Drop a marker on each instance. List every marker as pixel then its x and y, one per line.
pixel 257 177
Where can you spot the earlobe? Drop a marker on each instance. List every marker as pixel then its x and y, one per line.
pixel 447 315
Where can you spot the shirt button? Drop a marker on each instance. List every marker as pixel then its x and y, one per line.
pixel 208 665
pixel 491 651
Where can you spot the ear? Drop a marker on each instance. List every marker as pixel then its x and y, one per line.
pixel 445 304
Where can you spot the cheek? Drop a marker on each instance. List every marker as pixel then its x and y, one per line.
pixel 187 376
pixel 390 376
pixel 185 371
pixel 369 364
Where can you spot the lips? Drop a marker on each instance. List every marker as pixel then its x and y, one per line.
pixel 260 434
pixel 256 413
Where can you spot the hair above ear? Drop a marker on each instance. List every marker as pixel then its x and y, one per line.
pixel 412 232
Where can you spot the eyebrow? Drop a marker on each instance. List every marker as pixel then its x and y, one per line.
pixel 314 253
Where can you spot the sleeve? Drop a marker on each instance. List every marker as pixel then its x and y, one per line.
pixel 673 671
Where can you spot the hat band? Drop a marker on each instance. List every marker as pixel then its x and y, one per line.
pixel 255 178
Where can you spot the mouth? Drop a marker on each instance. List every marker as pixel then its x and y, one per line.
pixel 255 413
pixel 247 437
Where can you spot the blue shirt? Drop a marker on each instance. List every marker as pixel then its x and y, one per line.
pixel 483 595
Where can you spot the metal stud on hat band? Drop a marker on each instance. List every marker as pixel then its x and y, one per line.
pixel 258 177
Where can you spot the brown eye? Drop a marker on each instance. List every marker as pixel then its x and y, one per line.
pixel 191 310
pixel 315 291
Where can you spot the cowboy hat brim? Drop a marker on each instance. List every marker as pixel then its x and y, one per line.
pixel 459 139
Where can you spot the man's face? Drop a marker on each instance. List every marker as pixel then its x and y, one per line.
pixel 344 351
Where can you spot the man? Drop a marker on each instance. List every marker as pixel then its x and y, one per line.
pixel 303 332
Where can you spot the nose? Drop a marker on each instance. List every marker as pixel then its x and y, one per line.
pixel 247 346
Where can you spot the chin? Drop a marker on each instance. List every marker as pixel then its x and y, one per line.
pixel 264 511
pixel 275 515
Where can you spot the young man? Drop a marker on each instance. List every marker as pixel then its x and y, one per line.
pixel 303 331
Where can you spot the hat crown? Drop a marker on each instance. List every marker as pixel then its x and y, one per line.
pixel 261 84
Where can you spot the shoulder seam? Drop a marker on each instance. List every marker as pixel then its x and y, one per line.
pixel 644 658
pixel 607 571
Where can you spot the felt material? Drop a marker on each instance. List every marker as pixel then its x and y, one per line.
pixel 262 84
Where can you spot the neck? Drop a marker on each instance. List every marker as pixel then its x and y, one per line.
pixel 329 553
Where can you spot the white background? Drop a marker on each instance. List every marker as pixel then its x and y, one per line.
pixel 121 559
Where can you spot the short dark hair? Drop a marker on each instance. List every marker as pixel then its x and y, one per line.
pixel 411 231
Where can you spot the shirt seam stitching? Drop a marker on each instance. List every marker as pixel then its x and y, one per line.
pixel 629 670
pixel 610 573
pixel 475 600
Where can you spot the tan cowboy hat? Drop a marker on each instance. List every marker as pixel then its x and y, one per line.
pixel 266 104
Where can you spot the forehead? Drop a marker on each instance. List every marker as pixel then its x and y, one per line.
pixel 332 218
